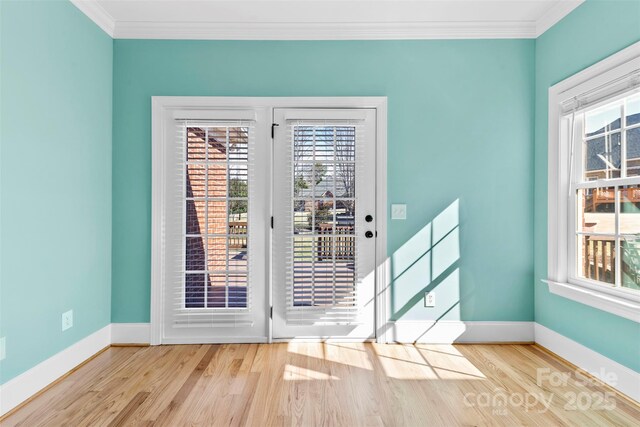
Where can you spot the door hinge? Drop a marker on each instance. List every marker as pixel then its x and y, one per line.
pixel 272 223
pixel 273 129
pixel 271 313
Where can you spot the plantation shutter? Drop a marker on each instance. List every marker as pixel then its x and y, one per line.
pixel 323 221
pixel 211 269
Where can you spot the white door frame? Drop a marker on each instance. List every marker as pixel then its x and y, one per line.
pixel 164 106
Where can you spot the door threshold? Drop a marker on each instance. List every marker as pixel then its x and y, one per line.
pixel 324 339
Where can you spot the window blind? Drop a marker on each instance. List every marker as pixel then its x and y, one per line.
pixel 321 252
pixel 608 91
pixel 211 281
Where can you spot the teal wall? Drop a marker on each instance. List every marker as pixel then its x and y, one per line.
pixel 75 217
pixel 55 172
pixel 591 33
pixel 460 155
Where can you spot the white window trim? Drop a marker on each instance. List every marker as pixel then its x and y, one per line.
pixel 164 107
pixel 619 301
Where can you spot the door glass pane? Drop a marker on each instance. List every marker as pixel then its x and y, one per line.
pixel 238 209
pixel 237 293
pixel 238 254
pixel 345 174
pixel 238 180
pixel 196 148
pixel 196 180
pixel 216 216
pixel 324 143
pixel 217 254
pixel 195 217
pixel 194 290
pixel 345 149
pixel 303 271
pixel 217 291
pixel 303 141
pixel 323 180
pixel 239 144
pixel 216 180
pixel 323 216
pixel 217 147
pixel 195 250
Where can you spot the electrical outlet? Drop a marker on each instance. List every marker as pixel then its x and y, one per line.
pixel 430 299
pixel 67 320
pixel 3 348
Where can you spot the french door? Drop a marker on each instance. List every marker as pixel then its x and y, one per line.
pixel 324 224
pixel 262 231
pixel 214 226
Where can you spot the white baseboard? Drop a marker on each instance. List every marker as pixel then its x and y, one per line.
pixel 456 331
pixel 25 385
pixel 627 381
pixel 130 333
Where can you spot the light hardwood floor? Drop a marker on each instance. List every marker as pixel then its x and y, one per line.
pixel 330 384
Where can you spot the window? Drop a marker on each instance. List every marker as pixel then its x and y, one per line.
pixel 606 194
pixel 594 185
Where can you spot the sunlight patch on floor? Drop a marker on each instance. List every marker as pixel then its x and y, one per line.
pixel 396 363
pixel 419 363
pixel 352 354
pixel 298 373
pixel 448 367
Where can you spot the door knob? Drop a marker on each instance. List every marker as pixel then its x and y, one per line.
pixel 368 234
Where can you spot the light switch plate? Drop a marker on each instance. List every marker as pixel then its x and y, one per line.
pixel 398 211
pixel 67 320
pixel 3 348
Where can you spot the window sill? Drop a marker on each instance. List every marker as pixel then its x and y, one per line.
pixel 621 304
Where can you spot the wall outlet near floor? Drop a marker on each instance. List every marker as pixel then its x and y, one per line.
pixel 67 320
pixel 430 299
pixel 3 348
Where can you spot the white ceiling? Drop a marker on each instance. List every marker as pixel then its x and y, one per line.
pixel 325 19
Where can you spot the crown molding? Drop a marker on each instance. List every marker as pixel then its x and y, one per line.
pixel 97 14
pixel 324 31
pixel 555 14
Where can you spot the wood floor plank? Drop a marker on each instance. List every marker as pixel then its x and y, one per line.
pixel 178 400
pixel 161 397
pixel 325 384
pixel 131 407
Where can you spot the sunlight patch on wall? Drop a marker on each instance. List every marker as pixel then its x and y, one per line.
pixel 428 262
